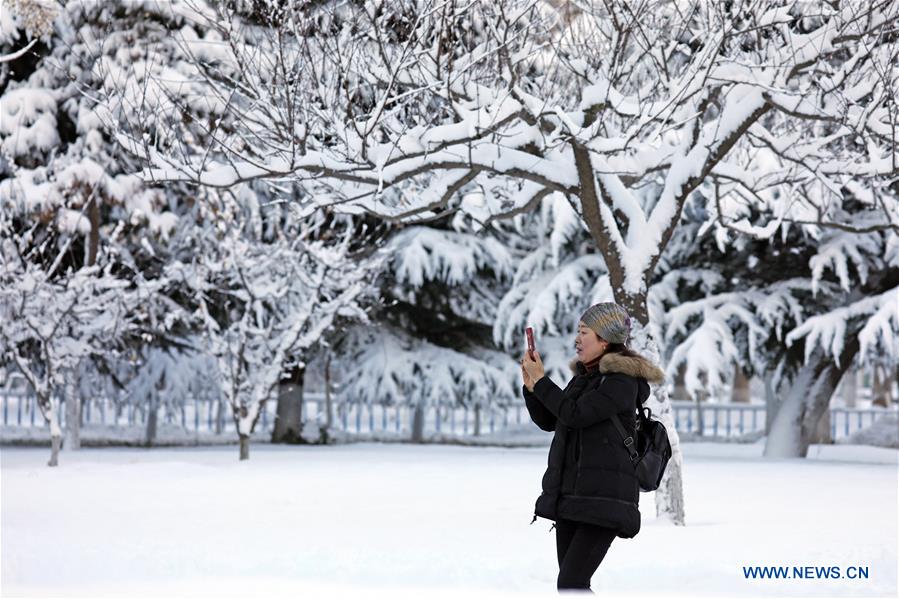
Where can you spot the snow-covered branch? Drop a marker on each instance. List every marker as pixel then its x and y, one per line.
pixel 383 119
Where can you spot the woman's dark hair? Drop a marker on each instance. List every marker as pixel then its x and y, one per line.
pixel 619 348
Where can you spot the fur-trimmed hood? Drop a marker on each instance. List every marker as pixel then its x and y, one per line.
pixel 635 366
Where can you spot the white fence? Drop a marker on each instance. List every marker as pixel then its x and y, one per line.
pixel 19 409
pixel 729 419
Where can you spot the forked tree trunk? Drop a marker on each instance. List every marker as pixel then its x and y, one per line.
pixel 797 421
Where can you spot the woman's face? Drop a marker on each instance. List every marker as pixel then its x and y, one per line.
pixel 588 344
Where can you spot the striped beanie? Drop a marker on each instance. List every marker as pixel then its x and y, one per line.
pixel 609 320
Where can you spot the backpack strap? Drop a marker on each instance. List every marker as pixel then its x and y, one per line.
pixel 628 440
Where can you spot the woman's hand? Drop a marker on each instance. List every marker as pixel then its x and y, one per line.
pixel 526 379
pixel 531 369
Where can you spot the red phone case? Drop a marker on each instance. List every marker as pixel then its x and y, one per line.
pixel 530 335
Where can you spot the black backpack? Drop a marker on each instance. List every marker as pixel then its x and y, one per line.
pixel 650 451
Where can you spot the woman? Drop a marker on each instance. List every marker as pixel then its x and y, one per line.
pixel 589 488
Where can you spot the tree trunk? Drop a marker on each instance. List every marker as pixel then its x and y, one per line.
pixel 700 413
pixel 772 402
pixel 477 420
pixel 328 417
pixel 797 420
pixel 849 388
pixel 289 414
pixel 418 424
pixel 219 416
pixel 740 393
pixel 821 433
pixel 702 400
pixel 50 411
pixel 680 386
pixel 73 414
pixel 881 390
pixel 150 435
pixel 670 494
pixel 55 441
pixel 93 244
pixel 244 447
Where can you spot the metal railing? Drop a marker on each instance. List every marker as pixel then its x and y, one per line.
pixel 20 409
pixel 718 419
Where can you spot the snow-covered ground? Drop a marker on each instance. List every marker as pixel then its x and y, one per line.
pixel 409 521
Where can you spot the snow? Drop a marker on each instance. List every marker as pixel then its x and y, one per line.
pixel 827 330
pixel 403 520
pixel 780 14
pixel 884 432
pixel 838 251
pixel 102 435
pixel 9 27
pixel 551 296
pixel 27 121
pixel 387 365
pixel 72 221
pixel 709 350
pixel 423 254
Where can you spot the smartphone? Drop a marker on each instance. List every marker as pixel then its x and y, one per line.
pixel 529 332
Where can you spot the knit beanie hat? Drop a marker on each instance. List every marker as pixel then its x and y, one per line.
pixel 609 320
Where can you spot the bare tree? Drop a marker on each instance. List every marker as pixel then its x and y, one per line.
pixel 262 302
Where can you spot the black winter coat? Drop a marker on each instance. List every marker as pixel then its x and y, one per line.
pixel 589 476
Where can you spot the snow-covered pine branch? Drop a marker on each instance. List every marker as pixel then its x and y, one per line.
pixel 879 332
pixel 709 351
pixel 867 268
pixel 425 254
pixel 387 366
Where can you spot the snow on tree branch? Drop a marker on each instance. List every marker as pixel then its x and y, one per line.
pixel 387 366
pixel 880 313
pixel 404 113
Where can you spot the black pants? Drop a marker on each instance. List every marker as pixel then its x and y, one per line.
pixel 580 548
